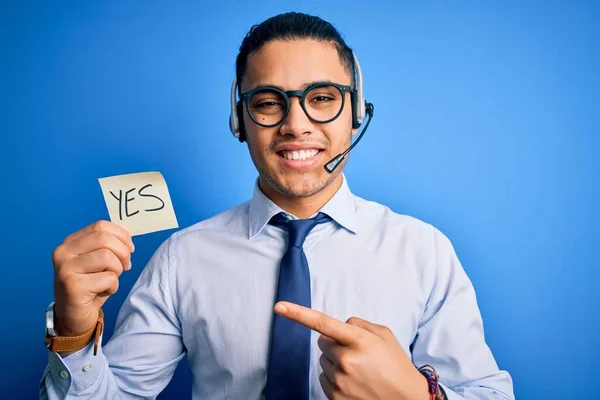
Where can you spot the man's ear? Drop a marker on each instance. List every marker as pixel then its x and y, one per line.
pixel 354 131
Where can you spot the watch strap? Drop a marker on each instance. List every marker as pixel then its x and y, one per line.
pixel 74 343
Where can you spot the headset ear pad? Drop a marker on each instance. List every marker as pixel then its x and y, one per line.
pixel 353 98
pixel 240 117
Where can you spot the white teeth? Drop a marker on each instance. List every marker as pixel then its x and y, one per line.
pixel 299 155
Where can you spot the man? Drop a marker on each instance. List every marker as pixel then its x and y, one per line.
pixel 376 304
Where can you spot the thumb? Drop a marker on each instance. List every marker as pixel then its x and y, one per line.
pixel 105 284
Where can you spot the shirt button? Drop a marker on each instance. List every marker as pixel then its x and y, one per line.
pixel 64 374
pixel 87 367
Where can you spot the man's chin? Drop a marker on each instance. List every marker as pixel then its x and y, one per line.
pixel 304 188
pixel 300 186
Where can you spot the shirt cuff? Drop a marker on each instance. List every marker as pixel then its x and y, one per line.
pixel 450 395
pixel 77 371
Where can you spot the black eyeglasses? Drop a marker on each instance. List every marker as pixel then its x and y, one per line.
pixel 322 102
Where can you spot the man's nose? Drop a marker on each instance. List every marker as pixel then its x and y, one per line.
pixel 296 122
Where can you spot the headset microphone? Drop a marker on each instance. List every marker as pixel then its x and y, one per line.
pixel 337 160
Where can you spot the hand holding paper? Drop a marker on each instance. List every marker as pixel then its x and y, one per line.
pixel 89 262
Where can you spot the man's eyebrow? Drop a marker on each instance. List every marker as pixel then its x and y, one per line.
pixel 302 87
pixel 312 83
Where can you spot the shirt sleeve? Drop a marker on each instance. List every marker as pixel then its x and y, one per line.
pixel 140 358
pixel 450 336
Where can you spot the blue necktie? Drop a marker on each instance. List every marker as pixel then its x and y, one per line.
pixel 289 360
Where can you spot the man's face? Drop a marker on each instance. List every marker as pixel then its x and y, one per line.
pixel 293 65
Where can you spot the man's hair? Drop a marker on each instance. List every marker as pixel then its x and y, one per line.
pixel 290 26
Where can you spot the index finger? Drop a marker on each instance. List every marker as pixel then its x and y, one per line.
pixel 105 226
pixel 344 334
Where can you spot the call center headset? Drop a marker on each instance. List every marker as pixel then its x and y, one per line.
pixel 360 108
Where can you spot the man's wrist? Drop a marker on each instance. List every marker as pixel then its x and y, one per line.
pixel 418 389
pixel 423 391
pixel 66 345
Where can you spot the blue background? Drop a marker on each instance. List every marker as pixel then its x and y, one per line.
pixel 486 125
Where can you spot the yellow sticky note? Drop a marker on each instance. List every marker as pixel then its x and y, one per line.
pixel 139 202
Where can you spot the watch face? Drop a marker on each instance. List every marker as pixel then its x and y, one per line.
pixel 50 320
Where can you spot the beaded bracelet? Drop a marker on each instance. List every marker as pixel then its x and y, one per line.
pixel 433 381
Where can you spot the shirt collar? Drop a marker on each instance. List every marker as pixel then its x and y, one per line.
pixel 340 208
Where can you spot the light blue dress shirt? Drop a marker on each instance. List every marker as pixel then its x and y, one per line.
pixel 208 294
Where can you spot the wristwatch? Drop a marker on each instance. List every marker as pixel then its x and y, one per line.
pixel 57 343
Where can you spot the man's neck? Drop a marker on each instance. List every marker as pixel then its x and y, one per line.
pixel 302 207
